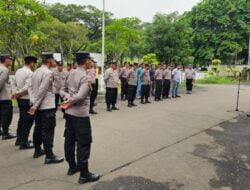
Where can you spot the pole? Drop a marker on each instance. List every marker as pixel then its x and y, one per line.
pixel 249 51
pixel 238 94
pixel 103 46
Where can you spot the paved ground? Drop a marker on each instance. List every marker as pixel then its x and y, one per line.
pixel 192 143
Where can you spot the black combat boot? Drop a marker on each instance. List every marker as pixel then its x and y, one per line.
pixel 73 169
pixel 86 176
pixel 38 153
pixel 53 159
pixel 115 108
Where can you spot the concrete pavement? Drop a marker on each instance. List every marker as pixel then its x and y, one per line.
pixel 191 143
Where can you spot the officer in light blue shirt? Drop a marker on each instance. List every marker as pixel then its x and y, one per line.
pixel 176 76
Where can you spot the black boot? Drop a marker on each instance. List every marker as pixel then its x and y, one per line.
pixel 38 153
pixel 129 104
pixel 86 176
pixel 115 108
pixel 72 169
pixel 53 159
pixel 142 102
pixel 92 112
pixel 148 102
pixel 8 136
pixel 132 104
pixel 27 145
pixel 1 132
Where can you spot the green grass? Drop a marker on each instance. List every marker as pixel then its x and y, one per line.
pixel 218 80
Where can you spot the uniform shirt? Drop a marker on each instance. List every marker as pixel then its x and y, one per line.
pixel 92 75
pixel 58 78
pixel 43 97
pixel 5 86
pixel 158 74
pixel 167 74
pixel 124 72
pixel 132 77
pixel 152 74
pixel 76 90
pixel 22 82
pixel 176 75
pixel 111 78
pixel 190 74
pixel 66 72
pixel 145 77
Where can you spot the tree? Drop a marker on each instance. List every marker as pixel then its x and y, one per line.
pixel 18 22
pixel 220 30
pixel 89 15
pixel 150 59
pixel 169 38
pixel 66 38
pixel 121 34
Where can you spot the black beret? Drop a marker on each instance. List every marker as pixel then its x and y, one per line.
pixel 80 56
pixel 4 57
pixel 30 59
pixel 46 56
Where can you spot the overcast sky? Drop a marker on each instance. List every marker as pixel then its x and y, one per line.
pixel 143 9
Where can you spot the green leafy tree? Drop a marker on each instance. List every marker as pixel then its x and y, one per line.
pixel 150 59
pixel 121 35
pixel 18 22
pixel 89 15
pixel 220 30
pixel 169 38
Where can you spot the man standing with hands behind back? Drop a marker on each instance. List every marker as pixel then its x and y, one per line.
pixel 44 108
pixel 75 92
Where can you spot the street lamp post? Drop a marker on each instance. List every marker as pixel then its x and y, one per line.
pixel 249 51
pixel 249 48
pixel 103 46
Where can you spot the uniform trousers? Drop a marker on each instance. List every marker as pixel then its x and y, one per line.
pixel 152 87
pixel 6 111
pixel 189 85
pixel 124 88
pixel 158 89
pixel 92 96
pixel 166 88
pixel 145 90
pixel 96 87
pixel 25 121
pixel 131 93
pixel 111 96
pixel 78 138
pixel 45 123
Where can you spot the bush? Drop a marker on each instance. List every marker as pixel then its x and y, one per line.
pixel 218 80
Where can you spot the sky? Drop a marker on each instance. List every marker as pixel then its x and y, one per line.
pixel 143 9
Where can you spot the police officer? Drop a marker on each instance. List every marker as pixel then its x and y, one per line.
pixel 21 86
pixel 111 79
pixel 167 76
pixel 132 85
pixel 158 82
pixel 124 83
pixel 92 79
pixel 59 75
pixel 78 127
pixel 190 78
pixel 6 109
pixel 43 100
pixel 145 88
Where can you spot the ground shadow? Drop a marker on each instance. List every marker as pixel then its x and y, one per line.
pixel 233 163
pixel 136 183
